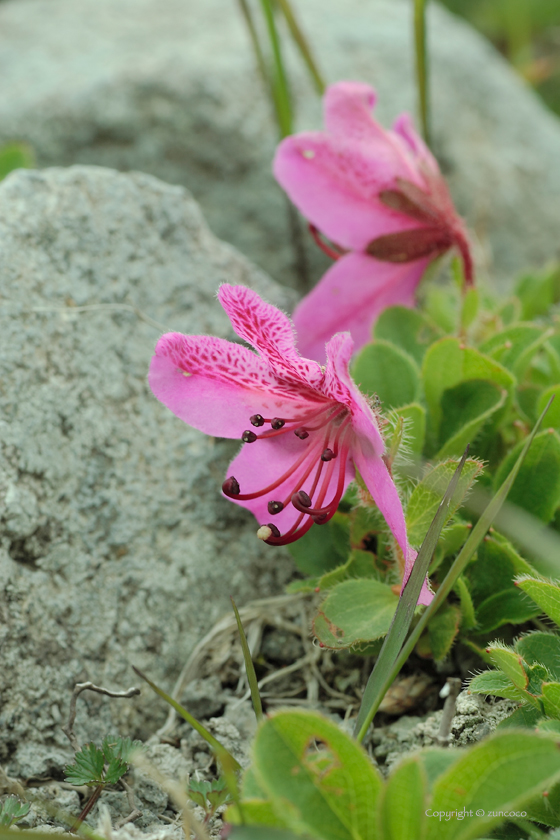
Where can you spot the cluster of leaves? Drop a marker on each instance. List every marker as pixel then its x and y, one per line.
pixel 462 369
pixel 12 810
pixel 210 795
pixel 529 672
pixel 96 767
pixel 308 777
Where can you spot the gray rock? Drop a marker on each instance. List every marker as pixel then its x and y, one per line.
pixel 169 87
pixel 116 547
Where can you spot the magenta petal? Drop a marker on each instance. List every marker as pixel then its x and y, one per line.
pixel 335 184
pixel 376 476
pixel 216 408
pixel 404 127
pixel 264 462
pixel 269 331
pixel 350 296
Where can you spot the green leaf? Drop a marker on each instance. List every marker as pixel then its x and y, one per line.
pixel 466 409
pixel 408 329
pixel 318 778
pixel 551 699
pixel 541 648
pixel 415 426
pixel 88 767
pixel 428 493
pixel 538 291
pixel 403 805
pixel 115 747
pixel 496 684
pixel 115 771
pixel 468 620
pixel 543 593
pixel 259 832
pixel 470 306
pixel 360 564
pixel 446 364
pixel 384 369
pixel 249 667
pixel 15 156
pixel 442 630
pixel 324 548
pixel 515 347
pixel 525 717
pixel 537 486
pixel 505 607
pixel 501 774
pixel 509 662
pixel 553 416
pixel 354 612
pixel 13 810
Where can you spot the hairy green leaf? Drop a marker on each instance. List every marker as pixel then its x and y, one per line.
pixel 537 486
pixel 317 777
pixel 353 612
pixel 544 593
pixel 403 802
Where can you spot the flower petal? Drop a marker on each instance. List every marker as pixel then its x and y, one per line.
pixel 215 385
pixel 376 476
pixel 263 462
pixel 404 128
pixel 335 184
pixel 270 332
pixel 350 296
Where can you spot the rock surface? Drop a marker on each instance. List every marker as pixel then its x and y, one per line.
pixel 116 547
pixel 169 87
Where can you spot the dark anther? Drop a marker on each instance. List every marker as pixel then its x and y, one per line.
pixel 248 436
pixel 257 420
pixel 277 423
pixel 274 529
pixel 303 498
pixel 301 434
pixel 231 486
pixel 275 507
pixel 320 519
pixel 327 455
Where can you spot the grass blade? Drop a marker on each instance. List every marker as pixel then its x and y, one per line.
pixel 261 63
pixel 224 756
pixel 476 536
pixel 249 667
pixel 279 80
pixel 303 45
pixel 420 43
pixel 382 676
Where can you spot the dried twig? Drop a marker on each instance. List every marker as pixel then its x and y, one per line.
pixel 450 691
pixel 89 686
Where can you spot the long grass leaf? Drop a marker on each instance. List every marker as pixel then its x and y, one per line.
pixel 280 81
pixel 380 678
pixel 476 536
pixel 249 667
pixel 302 44
pixel 218 748
pixel 421 49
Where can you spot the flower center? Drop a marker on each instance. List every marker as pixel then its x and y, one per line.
pixel 321 465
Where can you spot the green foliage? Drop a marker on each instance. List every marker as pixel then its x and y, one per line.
pixel 99 767
pixel 15 156
pixel 13 810
pixel 462 369
pixel 210 795
pixel 311 779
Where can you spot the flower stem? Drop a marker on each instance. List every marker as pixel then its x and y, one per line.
pixel 303 45
pixel 279 81
pixel 422 67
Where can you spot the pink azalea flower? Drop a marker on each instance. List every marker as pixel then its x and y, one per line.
pixel 377 194
pixel 306 429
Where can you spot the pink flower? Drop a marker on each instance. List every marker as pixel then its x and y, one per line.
pixel 377 194
pixel 306 428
